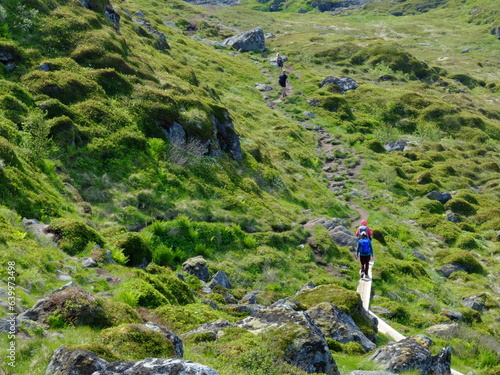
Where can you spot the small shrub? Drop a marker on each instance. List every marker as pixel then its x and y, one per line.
pixel 376 146
pixel 135 249
pixel 74 235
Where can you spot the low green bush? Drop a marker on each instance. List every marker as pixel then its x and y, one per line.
pixel 74 235
pixel 134 248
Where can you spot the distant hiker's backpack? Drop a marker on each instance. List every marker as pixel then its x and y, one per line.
pixel 279 61
pixel 282 79
pixel 363 229
pixel 364 247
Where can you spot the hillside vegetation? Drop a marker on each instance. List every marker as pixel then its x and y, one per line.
pixel 90 114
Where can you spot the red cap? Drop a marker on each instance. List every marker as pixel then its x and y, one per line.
pixel 364 222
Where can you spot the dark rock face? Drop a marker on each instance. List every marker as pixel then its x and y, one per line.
pixel 474 302
pixel 452 315
pixel 343 237
pixel 197 266
pixel 307 350
pixel 252 40
pixel 442 197
pixel 336 324
pixel 82 362
pixel 345 83
pixel 413 353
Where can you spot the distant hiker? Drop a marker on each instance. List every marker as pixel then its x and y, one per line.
pixel 283 79
pixel 365 253
pixel 364 228
pixel 279 62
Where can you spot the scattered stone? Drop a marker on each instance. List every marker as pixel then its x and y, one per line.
pixel 413 353
pixel 64 277
pixel 220 278
pixel 445 330
pixel 308 114
pixel 442 197
pixel 252 40
pixel 170 23
pixel 447 269
pixel 451 216
pixel 37 228
pixel 452 315
pixel 382 311
pixel 336 324
pixel 211 327
pixel 343 237
pixel 79 362
pixel 263 87
pixel 395 145
pixel 418 255
pixel 362 372
pixel 269 35
pixel 211 303
pixel 473 303
pixel 345 83
pixel 249 298
pixel 88 262
pixel 197 266
pixel 313 102
pixel 287 304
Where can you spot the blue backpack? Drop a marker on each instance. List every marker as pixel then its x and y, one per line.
pixel 365 247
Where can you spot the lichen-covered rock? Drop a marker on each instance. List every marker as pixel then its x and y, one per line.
pixel 252 40
pixel 413 353
pixel 446 330
pixel 336 324
pixel 345 83
pixel 161 40
pixel 442 197
pixel 197 266
pixel 81 362
pixel 305 345
pixel 395 145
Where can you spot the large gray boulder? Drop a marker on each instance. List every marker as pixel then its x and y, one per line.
pixel 336 324
pixel 252 40
pixel 307 348
pixel 83 362
pixel 344 83
pixel 344 237
pixel 197 266
pixel 413 353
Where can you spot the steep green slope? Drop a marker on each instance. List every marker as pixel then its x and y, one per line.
pixel 87 113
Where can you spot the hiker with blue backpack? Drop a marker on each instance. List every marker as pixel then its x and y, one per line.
pixel 365 253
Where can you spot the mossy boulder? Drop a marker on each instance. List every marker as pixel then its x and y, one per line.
pixel 112 82
pixel 461 258
pixel 13 108
pixel 73 236
pixel 431 206
pixel 75 307
pixel 460 206
pixel 134 342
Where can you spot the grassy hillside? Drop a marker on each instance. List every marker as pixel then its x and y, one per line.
pixel 85 109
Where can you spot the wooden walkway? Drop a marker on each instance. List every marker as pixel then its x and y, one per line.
pixel 364 289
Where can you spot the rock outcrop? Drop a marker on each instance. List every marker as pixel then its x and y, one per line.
pixel 336 324
pixel 344 83
pixel 82 362
pixel 161 40
pixel 197 266
pixel 307 348
pixel 252 40
pixel 413 353
pixel 104 7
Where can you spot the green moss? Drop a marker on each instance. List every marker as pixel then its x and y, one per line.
pixel 467 241
pixel 74 235
pixel 145 293
pixel 135 342
pixel 62 85
pixel 98 349
pixel 13 108
pixel 460 206
pixel 431 206
pixel 461 258
pixel 112 82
